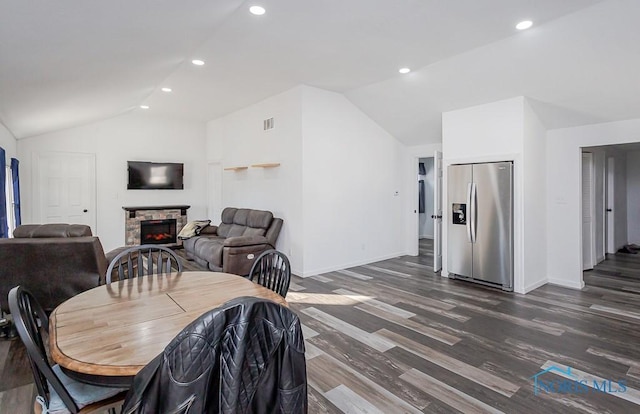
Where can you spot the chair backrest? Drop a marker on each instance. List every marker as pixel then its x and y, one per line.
pixel 52 269
pixel 30 320
pixel 272 270
pixel 146 259
pixel 246 356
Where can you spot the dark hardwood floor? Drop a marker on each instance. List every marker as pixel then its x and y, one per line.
pixel 392 337
pixel 618 272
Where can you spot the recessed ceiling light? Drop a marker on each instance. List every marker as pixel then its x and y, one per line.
pixel 197 62
pixel 166 89
pixel 404 70
pixel 144 106
pixel 523 25
pixel 257 10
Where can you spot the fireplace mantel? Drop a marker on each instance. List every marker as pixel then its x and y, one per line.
pixel 132 210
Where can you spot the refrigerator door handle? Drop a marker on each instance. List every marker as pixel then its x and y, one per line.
pixel 473 217
pixel 469 217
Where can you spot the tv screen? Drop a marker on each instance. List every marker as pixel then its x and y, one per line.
pixel 155 175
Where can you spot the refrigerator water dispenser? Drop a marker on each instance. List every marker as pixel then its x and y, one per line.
pixel 459 213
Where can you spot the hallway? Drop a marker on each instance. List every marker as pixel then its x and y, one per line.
pixel 619 272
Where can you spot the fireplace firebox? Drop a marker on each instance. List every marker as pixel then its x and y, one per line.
pixel 158 231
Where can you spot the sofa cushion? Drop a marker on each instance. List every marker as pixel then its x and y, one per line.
pixel 241 216
pixel 250 231
pixel 228 214
pixel 211 248
pixel 259 219
pixel 227 221
pixel 189 245
pixel 237 222
pixel 223 229
pixel 236 230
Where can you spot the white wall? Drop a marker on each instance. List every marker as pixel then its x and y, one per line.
pixel 8 142
pixel 483 132
pixel 564 232
pixel 633 197
pixel 353 199
pixel 534 201
pixel 239 139
pixel 335 187
pixel 134 136
pixel 507 130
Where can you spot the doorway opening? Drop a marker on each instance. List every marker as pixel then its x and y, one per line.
pixel 426 178
pixel 614 234
pixel 428 209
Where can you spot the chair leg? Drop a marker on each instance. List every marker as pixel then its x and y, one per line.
pixel 4 324
pixel 7 328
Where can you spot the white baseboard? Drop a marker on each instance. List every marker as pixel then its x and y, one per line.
pixel 567 284
pixel 535 285
pixel 333 268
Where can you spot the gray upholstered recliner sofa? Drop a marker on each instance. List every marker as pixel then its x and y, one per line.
pixel 53 261
pixel 233 245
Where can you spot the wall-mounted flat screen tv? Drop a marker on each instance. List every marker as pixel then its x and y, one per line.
pixel 155 175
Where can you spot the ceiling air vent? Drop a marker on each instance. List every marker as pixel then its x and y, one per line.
pixel 267 124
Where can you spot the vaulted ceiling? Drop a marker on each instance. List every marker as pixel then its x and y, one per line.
pixel 70 62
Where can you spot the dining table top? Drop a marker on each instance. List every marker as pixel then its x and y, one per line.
pixel 115 330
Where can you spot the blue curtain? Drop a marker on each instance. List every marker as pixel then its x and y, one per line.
pixel 16 190
pixel 4 227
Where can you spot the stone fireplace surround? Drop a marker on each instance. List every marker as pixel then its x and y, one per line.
pixel 134 215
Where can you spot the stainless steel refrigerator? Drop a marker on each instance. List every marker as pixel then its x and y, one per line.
pixel 480 225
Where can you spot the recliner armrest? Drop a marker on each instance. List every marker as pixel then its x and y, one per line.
pixel 240 241
pixel 208 230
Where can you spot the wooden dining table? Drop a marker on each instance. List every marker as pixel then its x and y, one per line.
pixel 107 334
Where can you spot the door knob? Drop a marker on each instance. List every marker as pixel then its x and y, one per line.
pixel 609 210
pixel 85 210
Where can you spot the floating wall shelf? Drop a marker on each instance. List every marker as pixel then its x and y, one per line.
pixel 235 168
pixel 266 165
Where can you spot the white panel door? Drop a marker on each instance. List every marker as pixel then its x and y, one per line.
pixel 588 208
pixel 437 211
pixel 64 188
